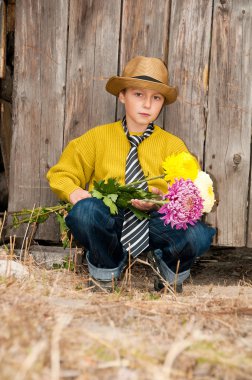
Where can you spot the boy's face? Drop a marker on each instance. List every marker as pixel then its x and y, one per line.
pixel 142 107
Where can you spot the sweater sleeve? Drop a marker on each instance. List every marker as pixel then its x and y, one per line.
pixel 74 168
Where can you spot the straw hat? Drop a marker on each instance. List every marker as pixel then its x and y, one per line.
pixel 144 72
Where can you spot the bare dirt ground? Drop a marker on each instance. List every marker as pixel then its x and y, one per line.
pixel 54 327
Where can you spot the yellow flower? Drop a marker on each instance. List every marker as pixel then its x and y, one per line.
pixel 205 186
pixel 181 165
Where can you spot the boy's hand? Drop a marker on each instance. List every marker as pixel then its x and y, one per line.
pixel 78 194
pixel 147 206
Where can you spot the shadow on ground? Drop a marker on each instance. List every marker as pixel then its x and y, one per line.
pixel 218 267
pixel 223 266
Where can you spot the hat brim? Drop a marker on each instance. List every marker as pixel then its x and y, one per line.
pixel 116 84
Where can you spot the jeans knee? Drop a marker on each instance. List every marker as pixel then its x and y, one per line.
pixel 83 213
pixel 200 237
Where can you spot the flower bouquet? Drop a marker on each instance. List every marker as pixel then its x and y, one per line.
pixel 190 191
pixel 189 194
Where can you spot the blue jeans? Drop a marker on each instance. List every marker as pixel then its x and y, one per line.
pixel 99 232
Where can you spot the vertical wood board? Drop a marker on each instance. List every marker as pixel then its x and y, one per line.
pixel 6 135
pixel 144 32
pixel 228 139
pixel 189 49
pixel 3 20
pixel 249 229
pixel 39 100
pixel 93 44
pixel 10 16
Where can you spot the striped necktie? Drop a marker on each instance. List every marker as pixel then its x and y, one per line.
pixel 135 232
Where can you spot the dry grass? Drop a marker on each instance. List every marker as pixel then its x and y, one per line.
pixel 53 327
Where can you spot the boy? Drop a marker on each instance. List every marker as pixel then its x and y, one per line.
pixel 128 150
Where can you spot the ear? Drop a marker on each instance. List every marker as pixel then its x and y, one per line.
pixel 121 97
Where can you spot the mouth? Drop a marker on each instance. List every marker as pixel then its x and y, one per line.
pixel 144 114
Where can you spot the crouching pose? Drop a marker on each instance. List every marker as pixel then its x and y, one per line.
pixel 128 150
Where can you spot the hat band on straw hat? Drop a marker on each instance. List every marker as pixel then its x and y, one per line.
pixel 145 77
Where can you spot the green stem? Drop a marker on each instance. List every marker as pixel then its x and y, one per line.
pixel 155 201
pixel 141 181
pixel 38 209
pixel 36 213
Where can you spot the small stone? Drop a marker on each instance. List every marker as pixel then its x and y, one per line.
pixel 10 268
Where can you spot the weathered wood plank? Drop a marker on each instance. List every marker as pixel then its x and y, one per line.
pixel 189 47
pixel 144 32
pixel 6 83
pixel 5 135
pixel 3 192
pixel 3 21
pixel 10 16
pixel 39 100
pixel 94 27
pixel 249 229
pixel 229 123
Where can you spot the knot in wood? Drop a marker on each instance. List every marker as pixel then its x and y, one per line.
pixel 236 159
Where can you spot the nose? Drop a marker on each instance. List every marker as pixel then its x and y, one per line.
pixel 147 102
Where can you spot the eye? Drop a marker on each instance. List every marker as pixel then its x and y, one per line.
pixel 157 97
pixel 138 93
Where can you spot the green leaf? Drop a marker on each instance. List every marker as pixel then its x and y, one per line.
pixel 63 230
pixel 96 194
pixel 41 218
pixel 113 197
pixel 15 221
pixel 112 206
pixel 111 187
pixel 61 220
pixel 123 200
pixel 139 214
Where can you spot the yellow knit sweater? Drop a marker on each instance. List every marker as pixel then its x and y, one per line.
pixel 101 154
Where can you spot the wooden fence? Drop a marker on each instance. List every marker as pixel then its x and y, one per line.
pixel 66 50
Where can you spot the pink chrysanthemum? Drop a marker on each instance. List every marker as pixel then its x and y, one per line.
pixel 184 206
